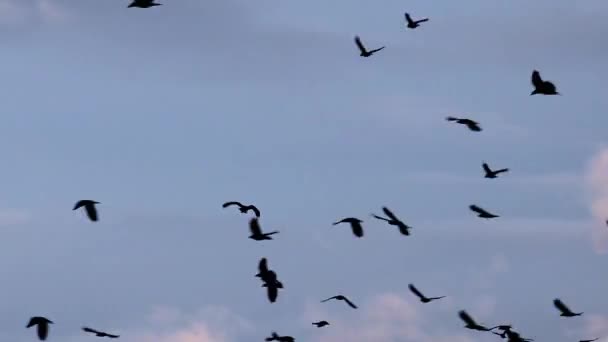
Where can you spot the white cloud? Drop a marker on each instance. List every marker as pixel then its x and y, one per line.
pixel 597 189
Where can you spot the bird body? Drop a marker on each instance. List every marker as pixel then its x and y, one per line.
pixel 471 125
pixel 411 23
pixel 394 221
pixel 243 208
pixel 99 333
pixel 355 225
pixel 320 324
pixel 564 310
pixel 256 231
pixel 143 3
pixel 89 207
pixel 470 322
pixel 492 173
pixel 42 326
pixel 482 212
pixel 342 298
pixel 363 50
pixel 275 337
pixel 542 87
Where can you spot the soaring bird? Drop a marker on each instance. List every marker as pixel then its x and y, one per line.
pixel 89 207
pixel 413 23
pixel 472 125
pixel 470 322
pixel 595 339
pixel 565 311
pixel 355 225
pixel 272 289
pixel 144 3
pixel 481 212
pixel 256 231
pixel 275 337
pixel 422 297
pixel 341 297
pixel 243 208
pixel 492 173
pixel 364 52
pixel 513 336
pixel 320 324
pixel 42 326
pixel 99 333
pixel 394 221
pixel 542 87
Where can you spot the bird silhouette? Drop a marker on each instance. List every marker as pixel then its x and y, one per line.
pixel 513 336
pixel 470 322
pixel 394 221
pixel 595 339
pixel 355 225
pixel 481 212
pixel 256 231
pixel 42 326
pixel 320 324
pixel 413 23
pixel 472 125
pixel 542 87
pixel 243 208
pixel 422 297
pixel 275 337
pixel 565 311
pixel 364 52
pixel 144 3
pixel 89 207
pixel 492 173
pixel 272 289
pixel 504 329
pixel 99 333
pixel 343 298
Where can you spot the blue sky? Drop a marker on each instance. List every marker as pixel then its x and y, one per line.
pixel 164 114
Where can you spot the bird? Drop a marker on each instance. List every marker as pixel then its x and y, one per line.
pixel 422 297
pixel 256 231
pixel 275 337
pixel 243 208
pixel 492 173
pixel 470 322
pixel 364 52
pixel 89 207
pixel 482 213
pixel 413 23
pixel 355 225
pixel 394 221
pixel 320 324
pixel 595 339
pixel 143 3
pixel 99 333
pixel 272 289
pixel 565 311
pixel 341 297
pixel 472 125
pixel 542 87
pixel 513 336
pixel 42 326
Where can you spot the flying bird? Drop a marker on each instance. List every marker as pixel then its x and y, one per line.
pixel 341 297
pixel 320 324
pixel 595 339
pixel 275 337
pixel 355 225
pixel 272 290
pixel 89 207
pixel 256 231
pixel 144 3
pixel 42 326
pixel 472 125
pixel 565 311
pixel 492 173
pixel 99 333
pixel 364 52
pixel 411 23
pixel 394 221
pixel 243 208
pixel 513 336
pixel 470 322
pixel 422 297
pixel 542 87
pixel 481 212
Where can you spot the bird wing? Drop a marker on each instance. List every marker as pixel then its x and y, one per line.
pixel 330 298
pixel 273 292
pixel 408 18
pixel 422 20
pixel 376 50
pixel 78 204
pixel 561 306
pixel 359 44
pixel 502 170
pixel 263 266
pixel 466 318
pixel 43 330
pixel 452 118
pixel 255 210
pixel 536 80
pixel 112 336
pixel 403 228
pixel 254 226
pixel 351 304
pixel 227 204
pixel 31 323
pixel 415 291
pixel 89 330
pixel 91 211
pixel 357 228
pixel 478 209
pixel 486 168
pixel 385 219
pixel 390 214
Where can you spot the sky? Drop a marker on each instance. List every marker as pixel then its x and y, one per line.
pixel 163 114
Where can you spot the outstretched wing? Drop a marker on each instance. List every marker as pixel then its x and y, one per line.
pixel 536 80
pixel 91 211
pixel 330 298
pixel 263 266
pixel 112 336
pixel 415 291
pixel 452 118
pixel 502 170
pixel 227 204
pixel 79 204
pixel 422 20
pixel 408 18
pixel 390 214
pixel 254 226
pixel 256 211
pixel 466 318
pixel 351 304
pixel 478 210
pixel 486 168
pixel 89 330
pixel 561 306
pixel 359 44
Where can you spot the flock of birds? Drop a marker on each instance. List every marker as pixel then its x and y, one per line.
pixel 269 277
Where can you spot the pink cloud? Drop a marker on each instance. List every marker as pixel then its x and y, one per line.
pixel 596 178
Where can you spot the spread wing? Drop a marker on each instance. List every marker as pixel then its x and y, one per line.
pixel 452 118
pixel 254 226
pixel 357 228
pixel 536 80
pixel 350 303
pixel 561 306
pixel 415 291
pixel 486 168
pixel 227 204
pixel 263 266
pixel 89 330
pixel 477 209
pixel 91 211
pixel 408 18
pixel 330 298
pixel 255 210
pixel 79 204
pixel 466 318
pixel 390 214
pixel 359 44
pixel 112 336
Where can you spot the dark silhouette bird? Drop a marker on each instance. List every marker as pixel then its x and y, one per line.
pixel 422 297
pixel 272 289
pixel 470 322
pixel 481 212
pixel 355 225
pixel 275 337
pixel 565 311
pixel 513 336
pixel 320 324
pixel 492 173
pixel 542 87
pixel 411 23
pixel 42 326
pixel 99 333
pixel 89 207
pixel 256 231
pixel 364 52
pixel 243 208
pixel 472 125
pixel 504 328
pixel 595 339
pixel 267 275
pixel 341 297
pixel 144 3
pixel 394 221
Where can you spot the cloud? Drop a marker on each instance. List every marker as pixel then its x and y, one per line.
pixel 19 13
pixel 596 178
pixel 596 326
